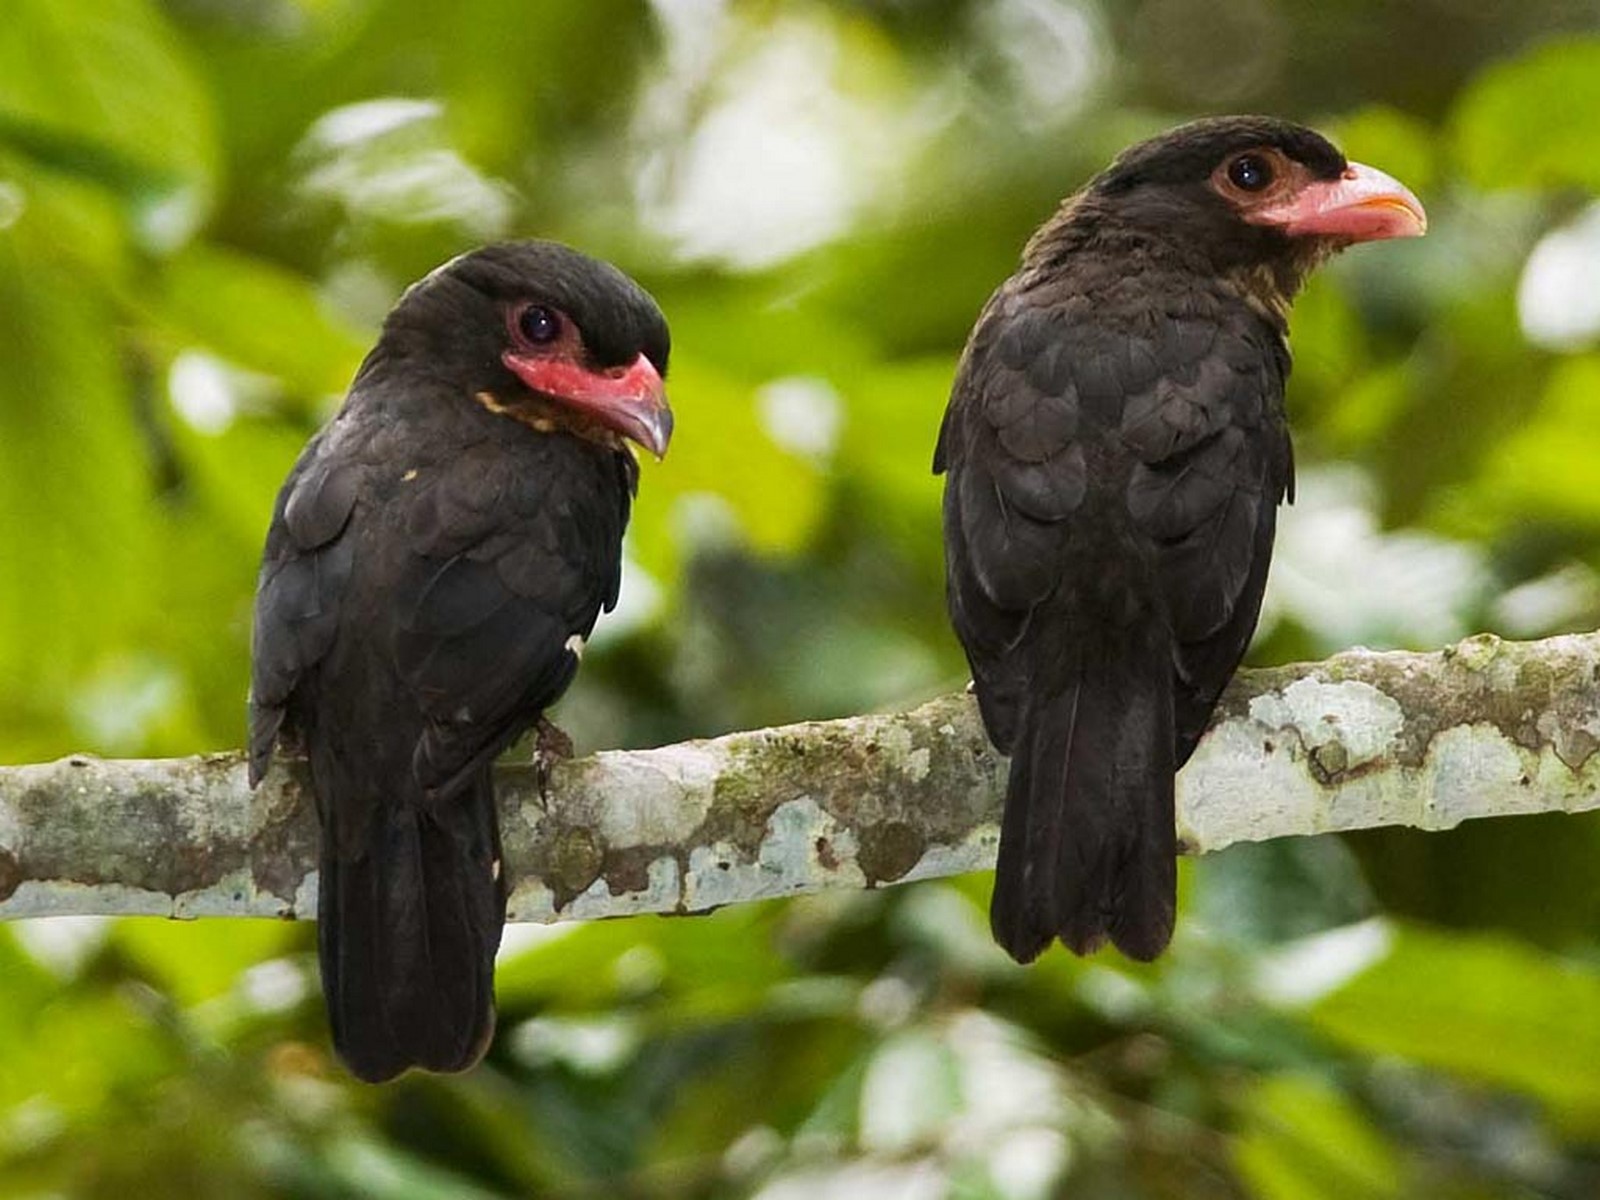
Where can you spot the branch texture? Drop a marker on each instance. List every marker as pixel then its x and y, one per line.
pixel 1485 728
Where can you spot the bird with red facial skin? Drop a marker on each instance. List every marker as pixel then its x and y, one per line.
pixel 1115 449
pixel 436 558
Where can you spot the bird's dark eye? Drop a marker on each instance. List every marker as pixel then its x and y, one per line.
pixel 1250 172
pixel 539 325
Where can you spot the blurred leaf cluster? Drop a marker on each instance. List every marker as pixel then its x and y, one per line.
pixel 207 205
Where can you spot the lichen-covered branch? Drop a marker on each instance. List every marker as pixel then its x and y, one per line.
pixel 1486 728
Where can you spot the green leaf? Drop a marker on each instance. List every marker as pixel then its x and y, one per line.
pixel 70 154
pixel 1531 122
pixel 104 92
pixel 771 499
pixel 72 486
pixel 511 80
pixel 1543 469
pixel 199 960
pixel 1392 141
pixel 1300 1139
pixel 258 315
pixel 1486 1008
pixel 85 1048
pixel 887 448
pixel 706 968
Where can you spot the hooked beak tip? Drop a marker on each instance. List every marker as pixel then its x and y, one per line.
pixel 655 431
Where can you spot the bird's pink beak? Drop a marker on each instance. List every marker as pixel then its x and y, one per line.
pixel 1362 205
pixel 631 400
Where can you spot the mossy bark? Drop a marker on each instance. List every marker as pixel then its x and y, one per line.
pixel 1485 728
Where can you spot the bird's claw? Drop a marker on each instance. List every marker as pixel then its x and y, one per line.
pixel 551 745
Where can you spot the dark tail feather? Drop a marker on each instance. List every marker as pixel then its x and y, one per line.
pixel 407 935
pixel 1088 845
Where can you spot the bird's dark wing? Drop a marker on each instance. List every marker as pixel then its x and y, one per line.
pixel 1113 473
pixel 1213 462
pixel 1018 471
pixel 508 563
pixel 1189 403
pixel 304 571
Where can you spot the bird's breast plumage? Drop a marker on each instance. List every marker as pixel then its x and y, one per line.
pixel 430 575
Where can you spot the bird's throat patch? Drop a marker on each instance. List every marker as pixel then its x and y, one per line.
pixel 542 422
pixel 541 416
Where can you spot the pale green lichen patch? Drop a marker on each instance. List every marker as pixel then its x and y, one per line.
pixel 65 897
pixel 662 892
pixel 1343 725
pixel 788 860
pixel 233 894
pixel 975 852
pixel 1472 771
pixel 530 900
pixel 1537 694
pixel 1475 653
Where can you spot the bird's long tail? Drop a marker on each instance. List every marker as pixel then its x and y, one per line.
pixel 1088 843
pixel 407 933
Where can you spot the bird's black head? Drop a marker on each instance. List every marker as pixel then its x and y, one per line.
pixel 1243 194
pixel 1189 155
pixel 534 328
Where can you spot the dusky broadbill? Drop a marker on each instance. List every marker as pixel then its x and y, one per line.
pixel 1115 450
pixel 436 558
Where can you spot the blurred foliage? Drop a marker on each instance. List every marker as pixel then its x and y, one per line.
pixel 205 208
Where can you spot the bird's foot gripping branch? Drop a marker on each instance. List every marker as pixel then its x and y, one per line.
pixel 1485 728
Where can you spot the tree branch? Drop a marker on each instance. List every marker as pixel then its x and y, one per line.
pixel 1485 728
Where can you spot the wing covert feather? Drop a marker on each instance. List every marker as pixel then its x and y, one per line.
pixel 304 573
pixel 507 564
pixel 1050 403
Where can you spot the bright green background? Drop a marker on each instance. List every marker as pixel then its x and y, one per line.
pixel 193 256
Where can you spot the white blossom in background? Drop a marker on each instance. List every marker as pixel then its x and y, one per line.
pixel 638 602
pixel 759 141
pixel 866 1180
pixel 705 521
pixel 909 1093
pixel 520 936
pixel 752 1151
pixel 13 203
pixel 276 985
pixel 753 149
pixel 209 392
pixel 203 391
pixel 1005 1083
pixel 115 708
pixel 1054 50
pixel 1565 599
pixel 589 1045
pixel 801 414
pixel 390 159
pixel 942 1100
pixel 1304 971
pixel 1352 584
pixel 61 943
pixel 1026 1163
pixel 1558 297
